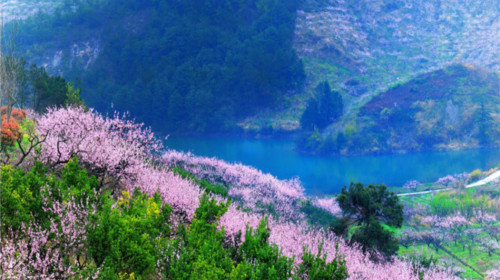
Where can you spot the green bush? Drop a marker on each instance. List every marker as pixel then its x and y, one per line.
pixel 202 251
pixel 316 267
pixel 22 192
pixel 17 200
pixel 198 249
pixel 315 215
pixel 131 237
pixel 261 260
pixel 128 236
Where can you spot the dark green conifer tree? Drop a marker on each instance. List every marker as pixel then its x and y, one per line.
pixel 364 210
pixel 323 109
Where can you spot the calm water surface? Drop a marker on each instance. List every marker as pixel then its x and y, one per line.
pixel 328 174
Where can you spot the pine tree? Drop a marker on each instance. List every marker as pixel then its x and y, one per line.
pixel 364 210
pixel 330 105
pixel 323 109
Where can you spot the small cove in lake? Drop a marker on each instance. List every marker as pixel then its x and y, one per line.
pixel 327 174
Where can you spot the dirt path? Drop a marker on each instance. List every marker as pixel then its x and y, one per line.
pixel 423 192
pixel 479 183
pixel 485 181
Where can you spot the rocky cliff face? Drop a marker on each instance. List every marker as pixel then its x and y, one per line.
pixel 57 57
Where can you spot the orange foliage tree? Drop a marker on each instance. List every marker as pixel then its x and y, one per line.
pixel 10 132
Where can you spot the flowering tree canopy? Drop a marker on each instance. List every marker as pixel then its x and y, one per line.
pixel 125 153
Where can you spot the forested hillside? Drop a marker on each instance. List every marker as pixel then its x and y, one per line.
pixel 365 46
pixel 177 65
pixel 207 66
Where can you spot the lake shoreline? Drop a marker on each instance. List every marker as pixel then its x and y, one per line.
pixel 328 174
pixel 294 135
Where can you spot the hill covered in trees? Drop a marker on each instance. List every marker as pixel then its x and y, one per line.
pixel 177 65
pixel 453 108
pixel 203 66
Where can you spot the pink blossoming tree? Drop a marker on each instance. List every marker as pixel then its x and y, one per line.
pixel 123 155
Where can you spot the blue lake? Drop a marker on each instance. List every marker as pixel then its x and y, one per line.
pixel 321 174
